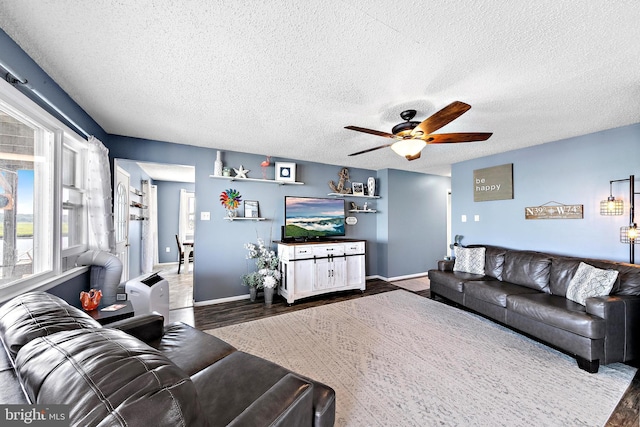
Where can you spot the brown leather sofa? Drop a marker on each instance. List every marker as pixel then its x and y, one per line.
pixel 526 291
pixel 138 373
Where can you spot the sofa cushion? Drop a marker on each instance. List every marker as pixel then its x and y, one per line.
pixel 37 314
pixel 560 274
pixel 589 281
pixel 530 269
pixel 494 261
pixel 494 291
pixel 248 376
pixel 469 260
pixel 628 282
pixel 190 349
pixel 454 280
pixel 108 378
pixel 11 390
pixel 557 311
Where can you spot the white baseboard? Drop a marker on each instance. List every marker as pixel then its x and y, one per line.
pixel 220 300
pixel 241 297
pixel 392 279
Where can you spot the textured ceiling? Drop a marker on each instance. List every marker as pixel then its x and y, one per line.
pixel 283 78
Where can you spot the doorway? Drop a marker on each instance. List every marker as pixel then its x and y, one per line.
pixel 166 182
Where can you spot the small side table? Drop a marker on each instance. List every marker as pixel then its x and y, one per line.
pixel 105 317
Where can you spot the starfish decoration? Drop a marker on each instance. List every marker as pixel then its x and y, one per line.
pixel 241 172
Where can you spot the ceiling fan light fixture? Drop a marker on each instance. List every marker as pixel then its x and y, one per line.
pixel 409 148
pixel 404 128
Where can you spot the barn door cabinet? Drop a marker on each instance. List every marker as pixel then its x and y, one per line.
pixel 315 268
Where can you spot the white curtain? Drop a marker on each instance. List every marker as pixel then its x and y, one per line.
pixel 183 226
pixel 101 231
pixel 149 226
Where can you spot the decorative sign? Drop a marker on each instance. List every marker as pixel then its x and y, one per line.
pixel 495 183
pixel 557 211
pixel 351 220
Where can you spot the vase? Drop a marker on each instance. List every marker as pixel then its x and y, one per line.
pixel 90 300
pixel 253 291
pixel 217 165
pixel 371 186
pixel 231 213
pixel 268 297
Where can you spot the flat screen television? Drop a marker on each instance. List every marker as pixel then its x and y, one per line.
pixel 308 218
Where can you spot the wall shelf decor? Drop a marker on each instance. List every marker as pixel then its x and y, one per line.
pixel 140 215
pixel 267 181
pixel 352 195
pixel 242 218
pixel 363 210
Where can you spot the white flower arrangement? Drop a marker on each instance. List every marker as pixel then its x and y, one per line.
pixel 267 262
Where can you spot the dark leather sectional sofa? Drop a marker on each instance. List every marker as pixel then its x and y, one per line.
pixel 526 291
pixel 138 373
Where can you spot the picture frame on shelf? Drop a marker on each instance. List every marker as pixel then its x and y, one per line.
pixel 285 171
pixel 357 188
pixel 251 209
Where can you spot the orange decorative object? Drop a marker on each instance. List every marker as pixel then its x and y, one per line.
pixel 91 299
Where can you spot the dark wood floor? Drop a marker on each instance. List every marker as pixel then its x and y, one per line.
pixel 229 313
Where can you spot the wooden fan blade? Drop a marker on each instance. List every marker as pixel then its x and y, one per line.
pixel 443 138
pixel 410 157
pixel 441 118
pixel 372 149
pixel 373 132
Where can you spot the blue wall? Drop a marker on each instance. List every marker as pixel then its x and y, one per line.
pixel 570 171
pixel 169 217
pixel 220 258
pixel 412 232
pixel 12 56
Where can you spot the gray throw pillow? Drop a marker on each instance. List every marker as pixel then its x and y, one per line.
pixel 589 281
pixel 469 260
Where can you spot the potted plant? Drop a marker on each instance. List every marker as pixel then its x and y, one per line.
pixel 268 273
pixel 253 281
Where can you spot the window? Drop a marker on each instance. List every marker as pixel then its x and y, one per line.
pixel 74 219
pixel 42 211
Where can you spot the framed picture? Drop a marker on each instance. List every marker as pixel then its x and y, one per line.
pixel 357 188
pixel 251 209
pixel 285 172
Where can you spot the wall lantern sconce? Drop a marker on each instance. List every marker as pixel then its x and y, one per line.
pixel 612 206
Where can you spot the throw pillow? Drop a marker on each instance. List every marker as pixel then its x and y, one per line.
pixel 589 281
pixel 469 260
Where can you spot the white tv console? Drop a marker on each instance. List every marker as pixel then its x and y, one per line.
pixel 315 268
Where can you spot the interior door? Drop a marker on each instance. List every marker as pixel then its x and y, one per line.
pixel 121 218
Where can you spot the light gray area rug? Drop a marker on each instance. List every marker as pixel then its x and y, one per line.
pixel 398 359
pixel 415 285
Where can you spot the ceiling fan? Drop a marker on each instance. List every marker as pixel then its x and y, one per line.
pixel 412 137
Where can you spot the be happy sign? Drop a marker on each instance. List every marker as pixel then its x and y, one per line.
pixel 495 183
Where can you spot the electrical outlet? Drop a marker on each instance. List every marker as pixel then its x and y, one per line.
pixel 167 249
pixel 476 218
pixel 205 216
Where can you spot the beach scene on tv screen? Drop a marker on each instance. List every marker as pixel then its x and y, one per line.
pixel 314 217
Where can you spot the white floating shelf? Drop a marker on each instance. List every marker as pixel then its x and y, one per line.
pixel 242 218
pixel 269 181
pixel 363 210
pixel 352 195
